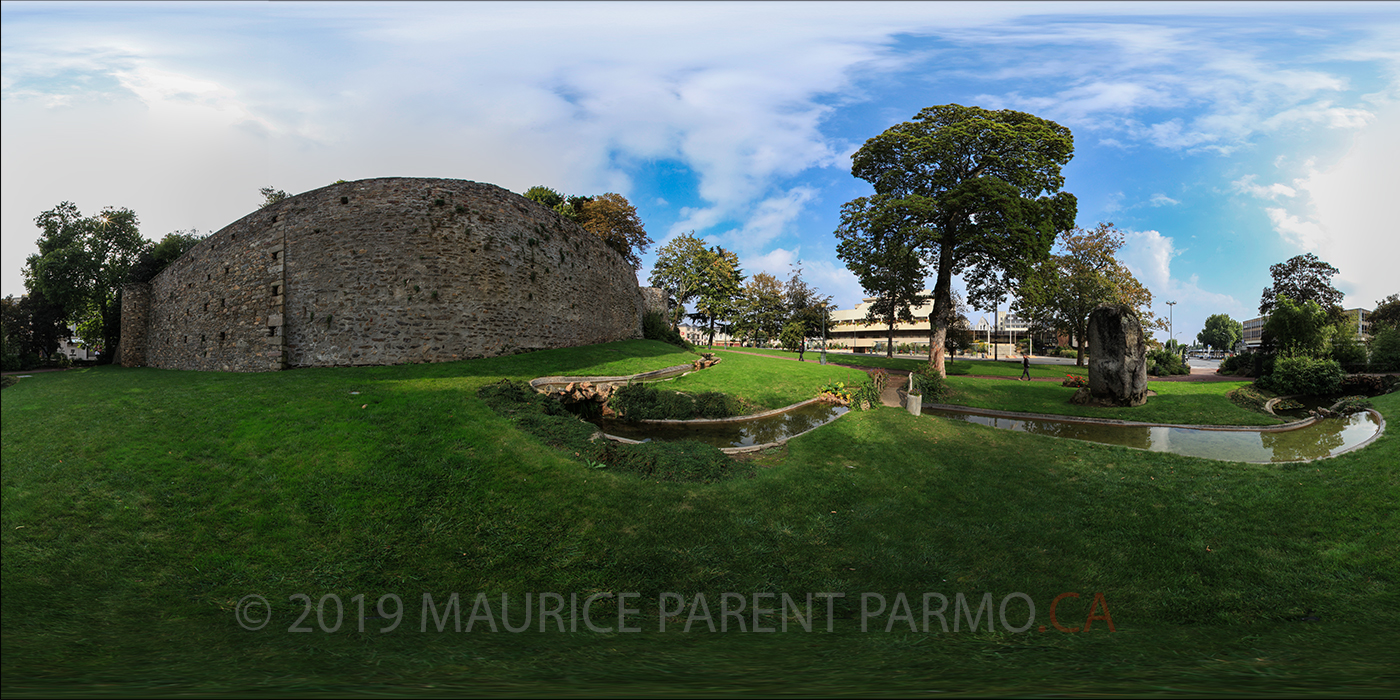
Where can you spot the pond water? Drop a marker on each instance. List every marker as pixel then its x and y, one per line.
pixel 1321 439
pixel 746 433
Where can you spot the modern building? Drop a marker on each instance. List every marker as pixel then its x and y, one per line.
pixel 850 331
pixel 1360 321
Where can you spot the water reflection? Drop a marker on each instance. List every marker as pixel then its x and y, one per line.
pixel 757 431
pixel 1321 439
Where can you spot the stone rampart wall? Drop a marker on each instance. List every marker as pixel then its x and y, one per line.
pixel 388 271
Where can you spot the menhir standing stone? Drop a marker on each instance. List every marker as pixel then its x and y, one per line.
pixel 1117 359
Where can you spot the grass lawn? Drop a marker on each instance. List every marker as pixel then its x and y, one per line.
pixel 989 368
pixel 141 506
pixel 1194 403
pixel 765 382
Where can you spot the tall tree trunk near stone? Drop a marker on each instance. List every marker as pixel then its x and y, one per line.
pixel 938 319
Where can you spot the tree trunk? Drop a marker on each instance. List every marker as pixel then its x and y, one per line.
pixel 942 301
pixel 889 345
pixel 1079 332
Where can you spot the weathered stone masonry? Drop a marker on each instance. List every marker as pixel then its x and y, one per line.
pixel 379 272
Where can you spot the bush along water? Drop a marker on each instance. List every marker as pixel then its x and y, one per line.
pixel 1303 375
pixel 638 401
pixel 655 327
pixel 548 420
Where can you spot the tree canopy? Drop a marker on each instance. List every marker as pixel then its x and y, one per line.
pixel 1386 315
pixel 156 258
pixel 677 270
pixel 762 308
pixel 1221 333
pixel 1300 329
pixel 83 262
pixel 1302 278
pixel 1060 292
pixel 965 190
pixel 609 216
pixel 805 304
pixel 271 195
pixel 718 288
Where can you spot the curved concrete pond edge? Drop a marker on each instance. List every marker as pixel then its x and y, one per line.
pixel 542 384
pixel 991 413
pixel 545 384
pixel 734 419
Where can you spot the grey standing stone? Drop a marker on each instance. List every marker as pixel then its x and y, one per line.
pixel 1117 359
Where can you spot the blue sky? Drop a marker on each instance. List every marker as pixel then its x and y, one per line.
pixel 1221 137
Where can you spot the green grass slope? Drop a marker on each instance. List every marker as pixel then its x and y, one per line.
pixel 140 507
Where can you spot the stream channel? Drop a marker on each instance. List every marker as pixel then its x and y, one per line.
pixel 1324 438
pixel 728 432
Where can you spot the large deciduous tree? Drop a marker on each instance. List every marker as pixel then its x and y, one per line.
pixel 1060 292
pixel 805 304
pixel 1302 278
pixel 885 256
pixel 30 327
pixel 1386 315
pixel 971 191
pixel 82 263
pixel 1300 329
pixel 761 308
pixel 719 289
pixel 159 256
pixel 678 270
pixel 1221 333
pixel 612 218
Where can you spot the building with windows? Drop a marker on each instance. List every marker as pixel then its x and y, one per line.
pixel 1360 321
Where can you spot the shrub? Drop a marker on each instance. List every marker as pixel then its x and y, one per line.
pixel 1385 351
pixel 1075 381
pixel 548 420
pixel 1349 353
pixel 1161 363
pixel 1303 375
pixel 1351 404
pixel 929 383
pixel 10 363
pixel 865 396
pixel 640 402
pixel 1248 364
pixel 655 327
pixel 7 382
pixel 1248 397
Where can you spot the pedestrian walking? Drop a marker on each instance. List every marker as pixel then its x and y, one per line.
pixel 1026 367
pixel 801 348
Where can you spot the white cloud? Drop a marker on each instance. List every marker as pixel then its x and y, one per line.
pixel 1149 255
pixel 1161 200
pixel 1303 233
pixel 1350 222
pixel 1246 185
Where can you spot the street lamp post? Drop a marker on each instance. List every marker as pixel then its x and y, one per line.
pixel 825 320
pixel 1171 328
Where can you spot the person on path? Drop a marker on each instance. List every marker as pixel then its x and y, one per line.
pixel 1026 367
pixel 801 348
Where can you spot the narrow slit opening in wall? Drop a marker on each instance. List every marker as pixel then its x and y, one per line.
pixel 276 290
pixel 221 336
pixel 271 331
pixel 275 255
pixel 223 303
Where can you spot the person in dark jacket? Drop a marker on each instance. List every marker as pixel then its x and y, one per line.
pixel 1026 367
